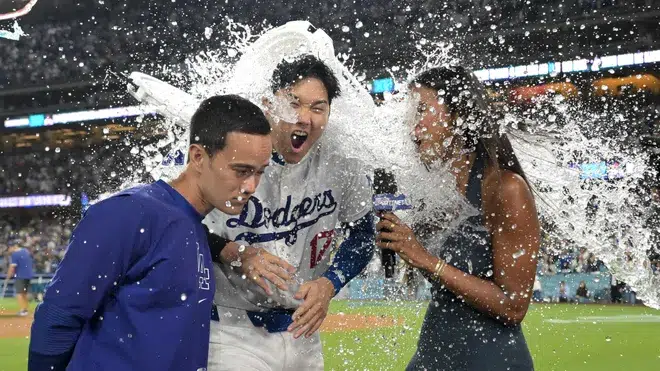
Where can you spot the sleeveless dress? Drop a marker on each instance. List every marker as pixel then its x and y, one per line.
pixel 454 335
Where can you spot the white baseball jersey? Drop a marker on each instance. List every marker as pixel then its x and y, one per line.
pixel 294 215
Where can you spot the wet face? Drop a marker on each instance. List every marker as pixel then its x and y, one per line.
pixel 432 130
pixel 298 116
pixel 231 176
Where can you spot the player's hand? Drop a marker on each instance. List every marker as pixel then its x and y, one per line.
pixel 395 235
pixel 261 266
pixel 310 314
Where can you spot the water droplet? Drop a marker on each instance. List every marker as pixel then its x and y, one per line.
pixel 113 174
pixel 184 297
pixel 208 31
pixel 608 339
pixel 366 34
pixel 130 336
pixel 552 118
pixel 57 149
pixel 359 24
pixel 93 288
pixel 489 273
pixel 228 203
pixel 141 230
pixel 345 29
pixel 231 52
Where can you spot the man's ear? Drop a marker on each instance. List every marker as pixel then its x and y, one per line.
pixel 197 156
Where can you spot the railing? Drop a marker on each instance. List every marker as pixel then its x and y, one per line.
pixel 378 288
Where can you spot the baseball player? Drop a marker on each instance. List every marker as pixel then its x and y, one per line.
pixel 134 291
pixel 276 278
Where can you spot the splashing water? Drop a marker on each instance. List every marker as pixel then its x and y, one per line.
pixel 606 217
pixel 378 137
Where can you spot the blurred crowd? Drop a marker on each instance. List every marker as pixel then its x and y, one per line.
pixel 570 261
pixel 43 235
pixel 92 169
pixel 143 35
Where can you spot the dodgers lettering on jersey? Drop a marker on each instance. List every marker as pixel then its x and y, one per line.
pixel 293 214
pixel 255 215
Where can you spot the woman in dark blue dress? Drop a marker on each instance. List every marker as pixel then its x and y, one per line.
pixel 483 276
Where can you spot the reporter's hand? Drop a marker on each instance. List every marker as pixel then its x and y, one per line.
pixel 260 266
pixel 310 314
pixel 395 235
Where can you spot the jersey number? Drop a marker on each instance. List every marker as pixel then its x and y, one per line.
pixel 324 238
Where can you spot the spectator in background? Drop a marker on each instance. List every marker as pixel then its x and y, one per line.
pixel 593 265
pixel 563 295
pixel 582 294
pixel 537 294
pixel 566 262
pixel 20 267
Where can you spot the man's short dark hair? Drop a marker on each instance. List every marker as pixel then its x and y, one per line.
pixel 308 66
pixel 220 115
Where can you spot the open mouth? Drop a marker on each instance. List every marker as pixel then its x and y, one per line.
pixel 298 139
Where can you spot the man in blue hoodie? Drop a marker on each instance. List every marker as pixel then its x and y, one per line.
pixel 134 290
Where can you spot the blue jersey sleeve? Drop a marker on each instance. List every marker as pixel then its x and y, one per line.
pixel 354 253
pixel 95 261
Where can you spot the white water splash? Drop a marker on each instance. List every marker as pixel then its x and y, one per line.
pixel 355 128
pixel 606 217
pixel 379 137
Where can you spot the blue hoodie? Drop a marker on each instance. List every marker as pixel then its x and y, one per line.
pixel 134 291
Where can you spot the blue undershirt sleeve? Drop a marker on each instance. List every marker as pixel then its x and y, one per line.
pixel 354 253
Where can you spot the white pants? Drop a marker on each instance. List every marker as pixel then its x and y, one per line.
pixel 239 345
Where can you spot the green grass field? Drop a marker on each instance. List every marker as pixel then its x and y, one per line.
pixel 561 337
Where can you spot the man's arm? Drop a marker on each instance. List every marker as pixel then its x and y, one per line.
pixel 354 254
pixel 352 257
pixel 11 271
pixel 216 245
pixel 95 261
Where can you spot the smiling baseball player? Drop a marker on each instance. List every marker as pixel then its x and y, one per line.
pixel 276 279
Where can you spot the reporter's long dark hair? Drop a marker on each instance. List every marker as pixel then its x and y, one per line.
pixel 473 115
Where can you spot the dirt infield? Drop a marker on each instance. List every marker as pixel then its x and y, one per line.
pixel 13 326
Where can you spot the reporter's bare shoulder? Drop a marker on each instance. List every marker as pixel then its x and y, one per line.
pixel 506 191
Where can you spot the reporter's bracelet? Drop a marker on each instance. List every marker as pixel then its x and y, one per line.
pixel 439 268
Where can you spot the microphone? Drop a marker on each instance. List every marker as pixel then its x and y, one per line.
pixel 385 199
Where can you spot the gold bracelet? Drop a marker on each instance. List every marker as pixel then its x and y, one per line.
pixel 439 268
pixel 442 269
